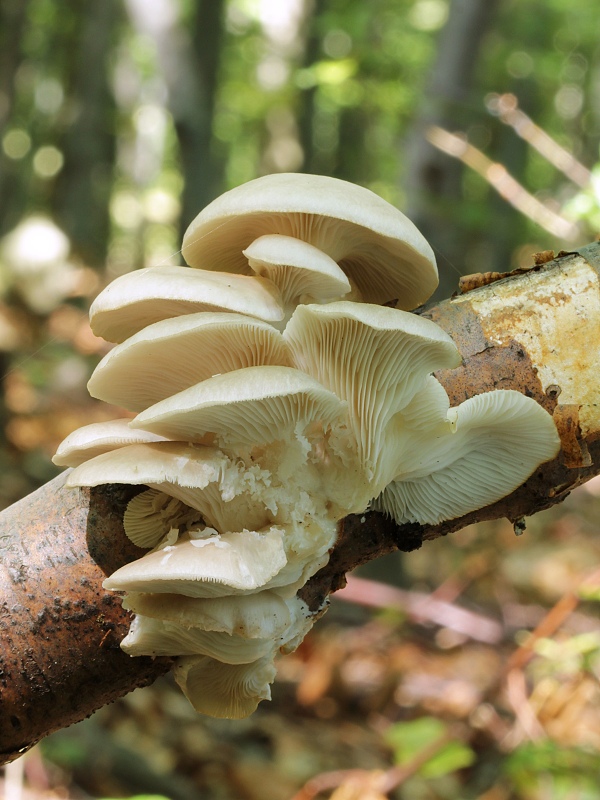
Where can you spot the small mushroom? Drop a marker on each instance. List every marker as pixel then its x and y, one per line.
pixel 174 354
pixel 98 438
pixel 302 273
pixel 150 516
pixel 149 295
pixel 226 691
pixel 378 248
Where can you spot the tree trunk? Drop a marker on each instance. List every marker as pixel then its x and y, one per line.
pixel 192 85
pixel 60 632
pixel 85 182
pixel 432 180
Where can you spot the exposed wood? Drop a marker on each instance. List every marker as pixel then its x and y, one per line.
pixel 59 631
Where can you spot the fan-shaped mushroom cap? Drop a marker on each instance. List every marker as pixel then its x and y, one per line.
pixel 157 637
pixel 379 249
pixel 250 406
pixel 226 494
pixel 156 463
pixel 174 354
pixel 494 442
pixel 225 691
pixel 263 615
pixel 140 298
pixel 376 359
pixel 238 562
pixel 97 438
pixel 301 272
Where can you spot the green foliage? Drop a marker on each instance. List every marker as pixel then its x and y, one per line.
pixel 560 772
pixel 409 739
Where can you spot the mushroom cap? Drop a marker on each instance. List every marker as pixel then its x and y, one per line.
pixel 148 295
pixel 493 444
pixel 379 248
pixel 263 615
pixel 297 268
pixel 238 562
pixel 377 359
pixel 98 438
pixel 225 691
pixel 157 637
pixel 202 478
pixel 156 463
pixel 171 355
pixel 250 406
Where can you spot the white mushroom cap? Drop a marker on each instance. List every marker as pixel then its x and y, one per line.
pixel 494 443
pixel 140 298
pixel 376 359
pixel 165 462
pixel 238 562
pixel 202 478
pixel 379 249
pixel 264 615
pixel 225 691
pixel 251 406
pixel 174 354
pixel 302 273
pixel 97 438
pixel 157 637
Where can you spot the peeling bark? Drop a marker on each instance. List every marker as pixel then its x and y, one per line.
pixel 60 632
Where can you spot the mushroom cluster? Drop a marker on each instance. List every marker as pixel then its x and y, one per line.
pixel 274 394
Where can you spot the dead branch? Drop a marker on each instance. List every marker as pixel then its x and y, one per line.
pixel 60 631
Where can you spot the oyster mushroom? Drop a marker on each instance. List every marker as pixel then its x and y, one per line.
pixel 252 444
pixel 174 354
pixel 157 637
pixel 245 408
pixel 201 478
pixel 225 690
pixel 375 245
pixel 215 565
pixel 302 272
pixel 376 359
pixel 494 443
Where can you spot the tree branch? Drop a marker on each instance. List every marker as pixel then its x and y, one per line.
pixel 60 632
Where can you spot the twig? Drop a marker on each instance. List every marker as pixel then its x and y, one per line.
pixel 385 782
pixel 498 176
pixel 421 606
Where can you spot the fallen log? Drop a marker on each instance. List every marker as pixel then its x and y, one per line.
pixel 533 330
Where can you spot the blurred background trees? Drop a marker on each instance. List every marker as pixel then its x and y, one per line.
pixel 121 119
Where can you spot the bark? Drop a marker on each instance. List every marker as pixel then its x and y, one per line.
pixel 60 632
